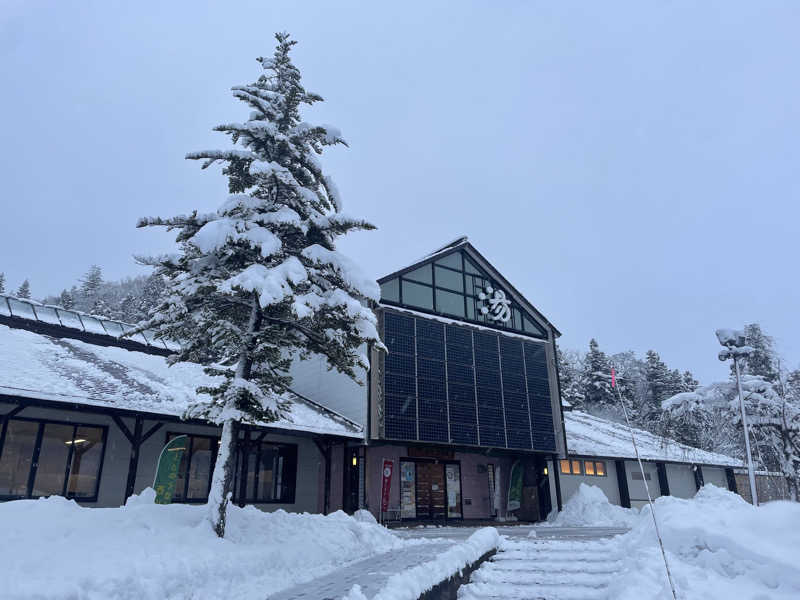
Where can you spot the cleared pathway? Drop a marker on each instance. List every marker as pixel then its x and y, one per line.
pixel 371 573
pixel 558 564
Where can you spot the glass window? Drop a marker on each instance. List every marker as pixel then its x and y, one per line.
pixel 52 469
pixel 200 468
pixel 576 467
pixel 450 303
pixel 453 488
pixel 423 275
pixel 565 467
pixel 391 290
pixel 451 260
pixel 68 460
pixel 16 457
pixel 408 488
pixel 451 280
pixel 600 468
pixel 588 467
pixel 415 294
pixel 87 454
pixel 469 267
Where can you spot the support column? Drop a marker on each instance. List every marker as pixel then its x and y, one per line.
pixel 731 477
pixel 136 440
pixel 325 448
pixel 663 482
pixel 622 482
pixel 698 477
pixel 557 478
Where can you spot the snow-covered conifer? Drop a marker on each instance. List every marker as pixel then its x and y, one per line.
pixel 91 282
pixel 597 390
pixel 24 290
pixel 259 282
pixel 65 299
pixel 763 360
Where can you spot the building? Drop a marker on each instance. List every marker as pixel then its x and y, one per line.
pixel 85 414
pixel 463 409
pixel 601 454
pixel 465 399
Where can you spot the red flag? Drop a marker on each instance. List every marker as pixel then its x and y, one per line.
pixel 613 378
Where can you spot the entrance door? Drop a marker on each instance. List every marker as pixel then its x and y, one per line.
pixel 431 496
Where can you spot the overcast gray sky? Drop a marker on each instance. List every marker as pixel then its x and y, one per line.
pixel 631 167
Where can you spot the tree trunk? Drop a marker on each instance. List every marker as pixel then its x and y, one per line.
pixel 222 480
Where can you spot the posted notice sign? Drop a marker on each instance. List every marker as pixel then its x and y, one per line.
pixel 386 484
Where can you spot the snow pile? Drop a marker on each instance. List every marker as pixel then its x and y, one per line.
pixel 589 507
pixel 718 547
pixel 412 583
pixel 52 548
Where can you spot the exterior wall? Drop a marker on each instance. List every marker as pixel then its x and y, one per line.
pixel 769 486
pixel 331 389
pixel 636 487
pixel 681 480
pixel 476 503
pixel 114 474
pixel 716 476
pixel 609 484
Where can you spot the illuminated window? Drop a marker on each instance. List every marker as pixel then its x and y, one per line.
pixel 576 467
pixel 565 467
pixel 588 467
pixel 600 468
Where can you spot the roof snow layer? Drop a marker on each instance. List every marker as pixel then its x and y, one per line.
pixel 68 370
pixel 592 436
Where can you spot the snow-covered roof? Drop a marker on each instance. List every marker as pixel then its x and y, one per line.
pixel 588 435
pixel 44 367
pixel 22 308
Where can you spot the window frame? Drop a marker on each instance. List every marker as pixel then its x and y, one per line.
pixel 34 466
pixel 468 294
pixel 243 443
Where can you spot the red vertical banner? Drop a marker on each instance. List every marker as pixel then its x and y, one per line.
pixel 386 483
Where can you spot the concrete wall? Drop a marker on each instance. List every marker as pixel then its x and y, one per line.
pixel 636 487
pixel 114 475
pixel 715 475
pixel 681 481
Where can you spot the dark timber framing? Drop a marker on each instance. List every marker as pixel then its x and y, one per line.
pixel 557 478
pixel 663 482
pixel 731 477
pixel 622 481
pixel 136 440
pixel 698 476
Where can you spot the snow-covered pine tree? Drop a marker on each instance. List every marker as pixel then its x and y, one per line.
pixel 65 299
pixel 24 290
pixel 90 287
pixel 259 282
pixel 570 369
pixel 2 283
pixel 763 361
pixel 597 391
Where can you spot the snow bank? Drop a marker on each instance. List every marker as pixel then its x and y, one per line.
pixel 718 546
pixel 412 583
pixel 52 548
pixel 589 507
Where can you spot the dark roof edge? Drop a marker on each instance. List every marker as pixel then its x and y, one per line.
pixel 96 339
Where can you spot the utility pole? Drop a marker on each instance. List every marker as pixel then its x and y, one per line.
pixel 735 343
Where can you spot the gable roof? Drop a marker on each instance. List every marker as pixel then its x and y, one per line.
pixel 463 243
pixel 588 435
pixel 66 369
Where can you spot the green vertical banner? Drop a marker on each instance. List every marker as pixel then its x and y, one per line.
pixel 515 486
pixel 169 462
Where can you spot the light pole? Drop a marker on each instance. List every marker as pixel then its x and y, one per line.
pixel 735 343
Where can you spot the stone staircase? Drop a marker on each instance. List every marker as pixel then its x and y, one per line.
pixel 545 569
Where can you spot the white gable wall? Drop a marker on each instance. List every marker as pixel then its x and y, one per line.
pixel 312 379
pixel 681 480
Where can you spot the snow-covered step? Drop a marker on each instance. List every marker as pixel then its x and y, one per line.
pixel 538 569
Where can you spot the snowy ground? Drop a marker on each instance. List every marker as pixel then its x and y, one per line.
pixel 718 547
pixel 53 548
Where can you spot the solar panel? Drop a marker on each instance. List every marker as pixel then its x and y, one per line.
pixel 452 384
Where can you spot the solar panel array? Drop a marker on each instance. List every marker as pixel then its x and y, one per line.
pixel 73 319
pixel 453 384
